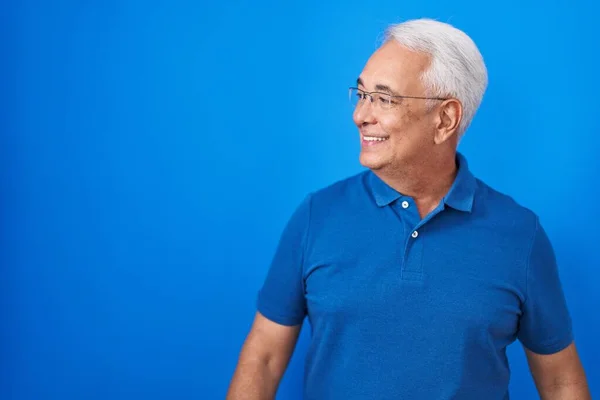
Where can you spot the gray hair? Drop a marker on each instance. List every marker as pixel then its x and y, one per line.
pixel 457 68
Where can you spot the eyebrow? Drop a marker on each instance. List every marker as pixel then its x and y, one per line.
pixel 379 87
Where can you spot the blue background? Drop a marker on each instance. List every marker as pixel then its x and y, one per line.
pixel 152 153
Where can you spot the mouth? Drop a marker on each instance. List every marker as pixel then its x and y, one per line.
pixel 373 140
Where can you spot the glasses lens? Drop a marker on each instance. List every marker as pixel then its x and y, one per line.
pixel 355 96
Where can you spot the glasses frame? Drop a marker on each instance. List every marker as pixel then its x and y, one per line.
pixel 370 95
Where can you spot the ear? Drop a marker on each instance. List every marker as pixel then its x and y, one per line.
pixel 450 115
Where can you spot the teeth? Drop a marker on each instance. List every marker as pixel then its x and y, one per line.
pixel 374 139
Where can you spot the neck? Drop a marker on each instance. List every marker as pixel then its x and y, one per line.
pixel 426 181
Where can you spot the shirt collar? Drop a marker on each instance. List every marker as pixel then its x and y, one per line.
pixel 460 196
pixel 382 192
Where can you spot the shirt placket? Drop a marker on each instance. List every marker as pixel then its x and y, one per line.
pixel 413 241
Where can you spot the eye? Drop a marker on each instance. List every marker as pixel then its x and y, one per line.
pixel 384 99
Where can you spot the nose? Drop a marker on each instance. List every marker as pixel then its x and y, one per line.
pixel 363 113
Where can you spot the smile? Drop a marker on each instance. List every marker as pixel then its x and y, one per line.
pixel 373 140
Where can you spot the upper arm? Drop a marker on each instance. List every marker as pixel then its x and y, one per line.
pixel 545 327
pixel 559 371
pixel 270 343
pixel 545 323
pixel 281 305
pixel 281 298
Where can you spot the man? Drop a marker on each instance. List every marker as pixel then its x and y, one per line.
pixel 414 275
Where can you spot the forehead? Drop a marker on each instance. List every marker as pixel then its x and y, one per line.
pixel 394 65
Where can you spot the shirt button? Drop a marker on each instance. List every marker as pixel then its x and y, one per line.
pixel 415 234
pixel 405 204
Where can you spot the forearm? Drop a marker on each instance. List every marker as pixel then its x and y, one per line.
pixel 253 380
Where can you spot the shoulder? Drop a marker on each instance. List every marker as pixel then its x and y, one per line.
pixel 327 201
pixel 341 191
pixel 336 202
pixel 504 212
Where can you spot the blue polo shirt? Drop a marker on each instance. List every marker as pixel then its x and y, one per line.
pixel 407 308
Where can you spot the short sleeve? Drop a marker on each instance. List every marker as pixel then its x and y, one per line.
pixel 545 325
pixel 281 298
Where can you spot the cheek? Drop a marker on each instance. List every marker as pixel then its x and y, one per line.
pixel 408 122
pixel 393 125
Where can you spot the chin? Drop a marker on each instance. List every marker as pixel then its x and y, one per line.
pixel 371 161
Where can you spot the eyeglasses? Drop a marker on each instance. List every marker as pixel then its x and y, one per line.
pixel 384 101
